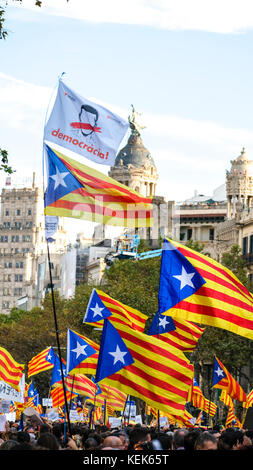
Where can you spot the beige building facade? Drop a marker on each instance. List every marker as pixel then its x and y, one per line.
pixel 23 248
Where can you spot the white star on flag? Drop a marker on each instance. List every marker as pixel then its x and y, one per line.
pixel 185 278
pixel 219 372
pixel 59 178
pixel 79 350
pixel 163 322
pixel 118 355
pixel 97 311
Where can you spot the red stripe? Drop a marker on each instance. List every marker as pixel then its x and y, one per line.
pixel 215 313
pixel 101 210
pixel 222 296
pixel 188 329
pixel 114 302
pixel 145 392
pixel 240 286
pixel 109 197
pixel 157 350
pixel 222 282
pixel 101 182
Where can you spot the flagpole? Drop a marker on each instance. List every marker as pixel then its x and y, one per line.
pixel 57 337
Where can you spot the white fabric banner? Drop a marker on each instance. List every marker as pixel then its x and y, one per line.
pixel 9 393
pixel 84 127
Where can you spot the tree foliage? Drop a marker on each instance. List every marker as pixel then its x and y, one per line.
pixel 133 282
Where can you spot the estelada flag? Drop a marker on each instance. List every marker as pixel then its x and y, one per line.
pixel 206 292
pixel 84 127
pixel 223 379
pixel 78 191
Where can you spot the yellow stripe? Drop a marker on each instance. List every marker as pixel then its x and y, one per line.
pixel 209 320
pixel 99 218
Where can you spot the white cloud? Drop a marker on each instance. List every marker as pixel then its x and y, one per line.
pixel 226 16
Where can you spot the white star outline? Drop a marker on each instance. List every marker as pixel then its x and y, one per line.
pixel 163 322
pixel 97 311
pixel 80 350
pixel 185 278
pixel 219 372
pixel 118 355
pixel 59 178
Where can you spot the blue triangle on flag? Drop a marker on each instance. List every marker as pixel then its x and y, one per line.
pixel 56 374
pixel 77 350
pixel 60 180
pixel 113 353
pixel 161 324
pixel 218 372
pixel 178 278
pixel 96 309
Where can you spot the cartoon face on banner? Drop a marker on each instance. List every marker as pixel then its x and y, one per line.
pixel 84 127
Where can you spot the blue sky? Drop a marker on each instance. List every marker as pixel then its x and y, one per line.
pixel 185 65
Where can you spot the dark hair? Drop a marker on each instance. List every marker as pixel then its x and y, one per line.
pixel 203 438
pixel 49 441
pixel 229 438
pixel 90 443
pixel 190 439
pixel 22 436
pixel 89 109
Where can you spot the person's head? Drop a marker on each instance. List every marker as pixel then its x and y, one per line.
pixel 23 436
pixel 230 439
pixel 165 440
pixel 44 428
pixel 90 444
pixel 124 439
pixel 190 439
pixel 206 441
pixel 48 441
pixel 138 436
pixel 112 442
pixel 8 445
pixel 178 438
pixel 88 117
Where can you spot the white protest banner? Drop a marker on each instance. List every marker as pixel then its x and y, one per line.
pixel 84 127
pixel 9 393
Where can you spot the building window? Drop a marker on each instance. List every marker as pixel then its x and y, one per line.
pixel 18 212
pixel 189 234
pixel 251 244
pixel 29 212
pixel 6 304
pixel 18 291
pixel 245 245
pixel 211 234
pixel 18 277
pixel 15 238
pixel 7 212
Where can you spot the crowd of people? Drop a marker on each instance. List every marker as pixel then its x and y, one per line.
pixel 53 436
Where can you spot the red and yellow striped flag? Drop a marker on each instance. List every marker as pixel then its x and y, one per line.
pixel 120 313
pixel 81 385
pixel 91 195
pixel 200 401
pixel 232 419
pixel 89 365
pixel 10 371
pixel 185 337
pixel 227 382
pixel 58 398
pixel 222 301
pixel 160 375
pixel 39 363
pixel 226 399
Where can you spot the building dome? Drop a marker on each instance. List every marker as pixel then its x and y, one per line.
pixel 134 153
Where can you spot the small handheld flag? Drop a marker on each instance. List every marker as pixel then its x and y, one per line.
pixel 96 309
pixel 113 353
pixel 77 350
pixel 223 379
